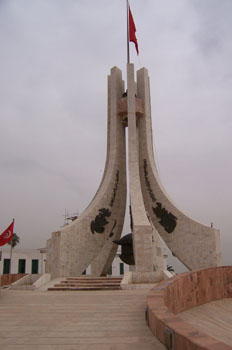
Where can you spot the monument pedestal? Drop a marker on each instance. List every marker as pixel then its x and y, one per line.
pixel 147 277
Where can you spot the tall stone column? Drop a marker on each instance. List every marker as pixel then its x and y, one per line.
pixel 148 264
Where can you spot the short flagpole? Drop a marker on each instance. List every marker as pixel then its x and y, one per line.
pixel 128 47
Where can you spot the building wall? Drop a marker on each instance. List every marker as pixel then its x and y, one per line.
pixel 116 266
pixel 40 255
pixel 28 255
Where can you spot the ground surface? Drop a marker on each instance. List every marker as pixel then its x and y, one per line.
pixel 95 320
pixel 214 319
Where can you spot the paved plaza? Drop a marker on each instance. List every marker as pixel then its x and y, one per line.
pixel 214 319
pixel 95 320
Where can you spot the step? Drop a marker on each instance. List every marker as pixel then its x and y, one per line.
pixel 88 279
pixel 84 288
pixel 70 284
pixel 88 283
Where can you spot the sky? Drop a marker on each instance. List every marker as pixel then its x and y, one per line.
pixel 54 61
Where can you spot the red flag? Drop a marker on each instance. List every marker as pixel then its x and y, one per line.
pixel 7 235
pixel 132 30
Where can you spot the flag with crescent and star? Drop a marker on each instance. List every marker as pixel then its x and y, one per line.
pixel 7 235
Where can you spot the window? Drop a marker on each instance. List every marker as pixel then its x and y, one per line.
pixel 6 266
pixel 121 269
pixel 22 266
pixel 110 270
pixel 35 266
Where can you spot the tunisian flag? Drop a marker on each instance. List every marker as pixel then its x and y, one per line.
pixel 7 235
pixel 132 30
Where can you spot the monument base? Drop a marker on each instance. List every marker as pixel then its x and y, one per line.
pixel 147 277
pixel 141 280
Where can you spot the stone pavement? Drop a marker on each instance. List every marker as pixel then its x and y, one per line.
pixel 92 320
pixel 214 319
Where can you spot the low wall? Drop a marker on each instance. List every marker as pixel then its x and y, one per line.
pixel 44 279
pixel 6 280
pixel 183 292
pixel 26 282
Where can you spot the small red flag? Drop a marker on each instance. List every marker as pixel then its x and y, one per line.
pixel 7 235
pixel 132 30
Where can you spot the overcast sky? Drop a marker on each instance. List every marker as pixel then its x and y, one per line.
pixel 54 61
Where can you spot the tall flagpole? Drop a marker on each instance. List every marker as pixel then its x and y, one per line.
pixel 127 16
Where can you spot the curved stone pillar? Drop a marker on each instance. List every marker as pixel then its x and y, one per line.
pixel 195 245
pixel 89 239
pixel 146 243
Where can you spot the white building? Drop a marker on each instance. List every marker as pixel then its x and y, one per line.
pixel 23 260
pixel 34 261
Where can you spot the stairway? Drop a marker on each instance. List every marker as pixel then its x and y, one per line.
pixel 88 283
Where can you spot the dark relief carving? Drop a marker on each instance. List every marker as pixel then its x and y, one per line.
pixel 100 221
pixel 98 225
pixel 112 231
pixel 167 219
pixel 147 182
pixel 115 189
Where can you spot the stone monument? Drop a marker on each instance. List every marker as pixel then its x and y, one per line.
pixel 89 239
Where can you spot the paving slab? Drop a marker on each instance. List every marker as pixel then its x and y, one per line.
pixel 83 320
pixel 214 319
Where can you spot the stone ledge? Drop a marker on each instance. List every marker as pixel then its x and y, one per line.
pixel 180 293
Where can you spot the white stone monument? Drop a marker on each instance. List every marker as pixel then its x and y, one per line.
pixel 89 239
